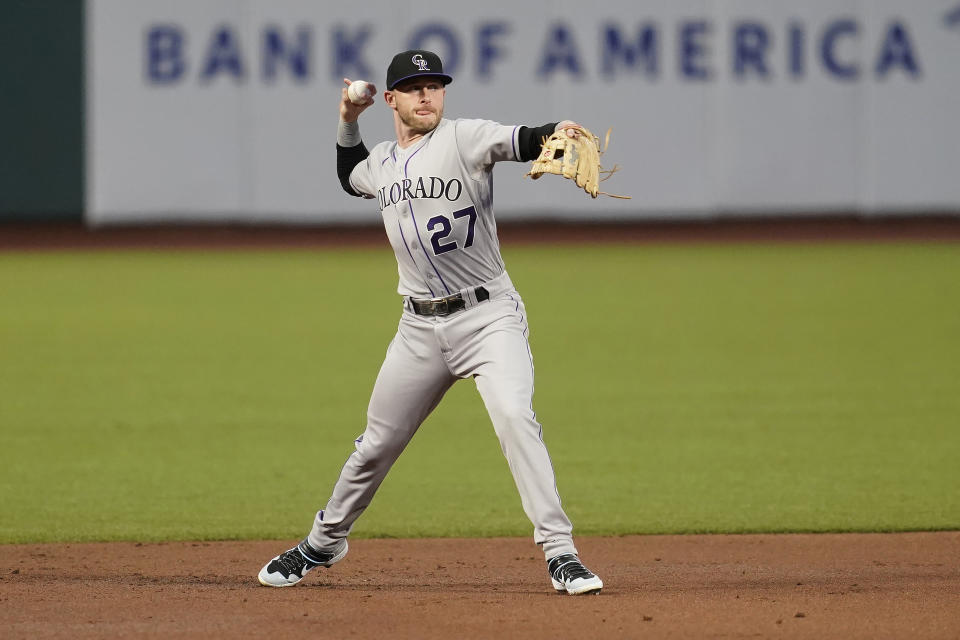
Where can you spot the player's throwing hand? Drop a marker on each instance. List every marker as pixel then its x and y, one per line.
pixel 349 110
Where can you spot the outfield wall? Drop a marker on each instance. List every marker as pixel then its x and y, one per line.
pixel 41 114
pixel 224 110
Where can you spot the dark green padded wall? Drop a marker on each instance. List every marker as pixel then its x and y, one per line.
pixel 41 109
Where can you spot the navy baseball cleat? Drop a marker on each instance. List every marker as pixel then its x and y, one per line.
pixel 568 574
pixel 288 568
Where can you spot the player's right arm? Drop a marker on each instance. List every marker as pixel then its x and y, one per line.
pixel 350 148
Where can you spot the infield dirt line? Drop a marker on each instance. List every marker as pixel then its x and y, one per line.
pixel 904 585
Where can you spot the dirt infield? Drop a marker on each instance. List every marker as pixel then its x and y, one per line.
pixel 793 586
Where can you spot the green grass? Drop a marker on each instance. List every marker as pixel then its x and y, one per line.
pixel 188 395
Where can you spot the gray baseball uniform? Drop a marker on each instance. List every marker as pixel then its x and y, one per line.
pixel 462 318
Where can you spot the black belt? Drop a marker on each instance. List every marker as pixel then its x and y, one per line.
pixel 445 306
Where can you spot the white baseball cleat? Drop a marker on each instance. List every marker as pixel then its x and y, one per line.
pixel 288 568
pixel 568 574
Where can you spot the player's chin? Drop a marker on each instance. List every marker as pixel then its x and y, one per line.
pixel 426 124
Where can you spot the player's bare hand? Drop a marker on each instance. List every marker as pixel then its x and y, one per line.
pixel 572 128
pixel 349 110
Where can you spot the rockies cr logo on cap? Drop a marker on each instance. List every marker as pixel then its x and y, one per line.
pixel 412 63
pixel 418 60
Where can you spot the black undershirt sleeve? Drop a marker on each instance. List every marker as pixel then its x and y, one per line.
pixel 347 159
pixel 530 139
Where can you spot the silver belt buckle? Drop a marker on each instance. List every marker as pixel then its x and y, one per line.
pixel 441 306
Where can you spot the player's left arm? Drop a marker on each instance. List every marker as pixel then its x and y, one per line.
pixel 530 140
pixel 483 143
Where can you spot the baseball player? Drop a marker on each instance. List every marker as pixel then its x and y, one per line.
pixel 462 316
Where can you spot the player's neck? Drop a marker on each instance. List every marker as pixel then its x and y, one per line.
pixel 409 139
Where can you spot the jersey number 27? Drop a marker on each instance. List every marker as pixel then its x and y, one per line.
pixel 445 227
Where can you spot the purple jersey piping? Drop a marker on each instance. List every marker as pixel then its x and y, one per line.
pixel 513 141
pixel 417 228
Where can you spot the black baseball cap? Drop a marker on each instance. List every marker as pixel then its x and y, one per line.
pixel 415 63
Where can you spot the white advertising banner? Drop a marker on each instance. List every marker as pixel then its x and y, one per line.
pixel 226 110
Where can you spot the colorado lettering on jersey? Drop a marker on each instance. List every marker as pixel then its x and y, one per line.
pixel 415 189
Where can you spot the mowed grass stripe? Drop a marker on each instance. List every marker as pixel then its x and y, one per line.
pixel 183 395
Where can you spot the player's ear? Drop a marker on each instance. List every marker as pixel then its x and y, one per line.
pixel 389 98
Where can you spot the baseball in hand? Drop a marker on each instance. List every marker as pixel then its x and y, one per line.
pixel 359 92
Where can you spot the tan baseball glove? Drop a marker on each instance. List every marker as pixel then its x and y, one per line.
pixel 576 158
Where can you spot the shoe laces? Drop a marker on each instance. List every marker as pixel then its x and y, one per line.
pixel 569 567
pixel 293 561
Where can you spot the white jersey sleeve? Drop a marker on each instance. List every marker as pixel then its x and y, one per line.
pixel 362 177
pixel 484 142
